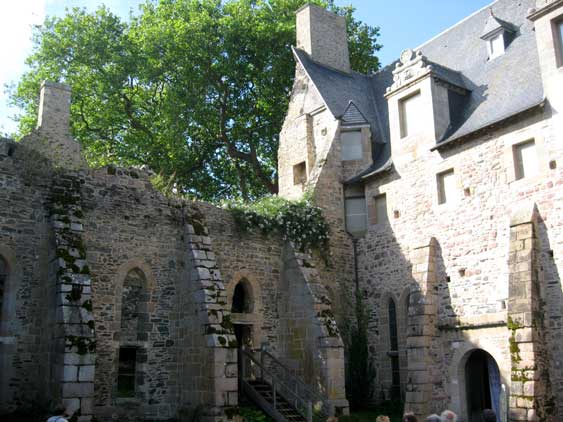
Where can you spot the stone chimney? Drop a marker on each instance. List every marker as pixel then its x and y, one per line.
pixel 54 107
pixel 322 35
pixel 52 136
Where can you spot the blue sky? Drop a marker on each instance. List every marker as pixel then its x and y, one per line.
pixel 403 23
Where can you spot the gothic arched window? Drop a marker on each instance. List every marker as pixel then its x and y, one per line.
pixel 134 319
pixel 242 298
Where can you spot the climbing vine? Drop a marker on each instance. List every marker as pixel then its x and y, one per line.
pixel 298 221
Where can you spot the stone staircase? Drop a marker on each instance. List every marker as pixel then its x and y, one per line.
pixel 275 389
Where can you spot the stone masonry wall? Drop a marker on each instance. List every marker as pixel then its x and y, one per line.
pixel 472 241
pixel 27 323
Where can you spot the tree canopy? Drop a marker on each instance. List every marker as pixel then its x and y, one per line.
pixel 195 89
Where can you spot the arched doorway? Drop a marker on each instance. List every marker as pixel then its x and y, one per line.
pixel 482 385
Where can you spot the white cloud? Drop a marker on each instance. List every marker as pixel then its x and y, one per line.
pixel 16 21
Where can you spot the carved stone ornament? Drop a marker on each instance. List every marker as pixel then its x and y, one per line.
pixel 411 66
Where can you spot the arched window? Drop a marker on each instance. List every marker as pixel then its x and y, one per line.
pixel 242 298
pixel 3 280
pixel 394 351
pixel 134 319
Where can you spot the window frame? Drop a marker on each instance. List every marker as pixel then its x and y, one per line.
pixel 519 168
pixel 403 115
pixel 361 140
pixel 132 374
pixel 375 220
pixel 4 275
pixel 366 222
pixel 442 195
pixel 300 173
pixel 493 53
pixel 557 29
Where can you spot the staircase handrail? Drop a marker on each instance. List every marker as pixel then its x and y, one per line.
pixel 304 403
pixel 314 394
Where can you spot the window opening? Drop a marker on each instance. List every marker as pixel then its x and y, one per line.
pixel 447 192
pixel 241 299
pixel 356 215
pixel 559 42
pixel 126 372
pixel 525 160
pixel 351 145
pixel 3 279
pixel 300 173
pixel 394 351
pixel 381 209
pixel 410 114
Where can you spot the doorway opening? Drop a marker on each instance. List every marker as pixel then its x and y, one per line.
pixel 482 385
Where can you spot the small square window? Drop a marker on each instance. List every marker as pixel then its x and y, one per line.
pixel 300 173
pixel 351 143
pixel 126 372
pixel 410 114
pixel 525 160
pixel 496 46
pixel 380 209
pixel 356 215
pixel 447 192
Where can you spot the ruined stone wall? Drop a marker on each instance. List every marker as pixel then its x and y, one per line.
pixel 128 226
pixel 472 235
pixel 27 322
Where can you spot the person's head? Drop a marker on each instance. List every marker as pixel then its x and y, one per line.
pixel 448 416
pixel 332 419
pixel 433 418
pixel 59 409
pixel 382 418
pixel 489 415
pixel 409 417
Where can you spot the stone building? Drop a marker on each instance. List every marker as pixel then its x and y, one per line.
pixel 128 305
pixel 441 177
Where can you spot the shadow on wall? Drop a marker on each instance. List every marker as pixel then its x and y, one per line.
pixel 552 296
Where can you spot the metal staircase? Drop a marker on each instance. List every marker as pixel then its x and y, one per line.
pixel 277 391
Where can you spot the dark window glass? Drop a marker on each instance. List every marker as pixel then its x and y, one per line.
pixel 394 352
pixel 393 326
pixel 126 372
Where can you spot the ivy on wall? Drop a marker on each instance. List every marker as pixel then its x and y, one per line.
pixel 300 222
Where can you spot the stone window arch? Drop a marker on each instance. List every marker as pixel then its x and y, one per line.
pixel 244 301
pixel 133 299
pixel 243 298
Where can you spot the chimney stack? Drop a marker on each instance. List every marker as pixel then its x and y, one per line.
pixel 52 136
pixel 54 107
pixel 322 34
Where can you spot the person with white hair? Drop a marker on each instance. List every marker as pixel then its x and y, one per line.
pixel 448 416
pixel 433 418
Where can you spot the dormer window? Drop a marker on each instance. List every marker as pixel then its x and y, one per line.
pixel 497 34
pixel 496 46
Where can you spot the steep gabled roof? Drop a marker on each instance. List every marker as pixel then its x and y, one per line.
pixel 497 89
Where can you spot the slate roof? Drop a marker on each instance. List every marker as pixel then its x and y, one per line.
pixel 499 88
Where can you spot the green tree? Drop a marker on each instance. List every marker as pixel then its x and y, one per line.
pixel 195 89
